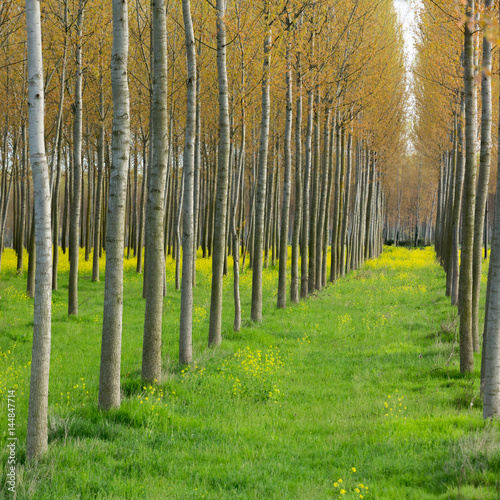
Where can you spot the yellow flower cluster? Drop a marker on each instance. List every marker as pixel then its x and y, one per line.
pixel 397 258
pixel 12 374
pixel 304 339
pixel 79 396
pixel 351 491
pixel 393 408
pixel 153 397
pixel 254 374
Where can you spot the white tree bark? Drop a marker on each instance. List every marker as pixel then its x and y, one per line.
pixel 287 188
pixel 491 346
pixel 155 262
pixel 219 243
pixel 77 175
pixel 186 320
pixel 466 279
pixel 109 380
pixel 483 181
pixel 294 285
pixel 40 361
pixel 256 310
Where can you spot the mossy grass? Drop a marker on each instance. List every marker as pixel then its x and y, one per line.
pixel 354 392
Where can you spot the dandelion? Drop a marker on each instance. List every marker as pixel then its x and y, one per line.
pixel 353 469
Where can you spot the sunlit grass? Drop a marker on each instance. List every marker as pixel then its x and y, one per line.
pixel 353 393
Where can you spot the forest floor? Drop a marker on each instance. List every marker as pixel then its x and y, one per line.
pixel 352 393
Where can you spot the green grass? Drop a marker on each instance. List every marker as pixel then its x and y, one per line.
pixel 283 409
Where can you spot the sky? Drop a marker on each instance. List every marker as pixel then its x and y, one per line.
pixel 406 13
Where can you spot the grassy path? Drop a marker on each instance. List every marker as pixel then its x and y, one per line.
pixel 354 393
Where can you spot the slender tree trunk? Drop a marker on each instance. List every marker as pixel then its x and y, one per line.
pixel 30 285
pixel 256 310
pixel 188 239
pixel 109 379
pixel 466 279
pixel 155 261
pixel 219 248
pixel 457 206
pixel 22 214
pixel 178 238
pixel 313 217
pixel 483 182
pixel 336 204
pixel 287 188
pixel 345 216
pixel 236 231
pixel 322 200
pixel 100 169
pixel 142 210
pixel 490 362
pixel 294 285
pixel 74 228
pixel 37 439
pixel 304 274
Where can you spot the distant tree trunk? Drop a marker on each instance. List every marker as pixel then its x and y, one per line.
pixel 188 239
pixel 256 310
pixel 30 285
pixel 142 209
pixel 313 216
pixel 336 203
pixel 369 205
pixel 326 230
pixel 178 238
pixel 22 214
pixel 457 206
pixel 37 439
pixel 197 172
pixel 100 169
pixel 65 208
pixel 322 200
pixel 236 231
pixel 294 285
pixel 346 207
pixel 287 187
pixel 465 285
pixel 483 182
pixel 304 274
pixel 109 380
pixel 219 248
pixel 74 228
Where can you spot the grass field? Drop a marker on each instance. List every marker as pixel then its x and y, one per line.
pixel 353 393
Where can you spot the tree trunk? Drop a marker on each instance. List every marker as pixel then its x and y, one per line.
pixel 465 284
pixel 490 362
pixel 37 439
pixel 322 203
pixel 219 247
pixel 457 206
pixel 313 217
pixel 109 380
pixel 294 285
pixel 483 182
pixel 74 228
pixel 188 239
pixel 256 310
pixel 154 244
pixel 287 188
pixel 304 268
